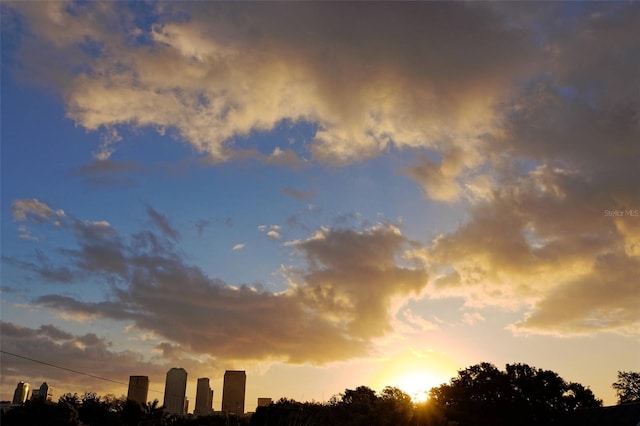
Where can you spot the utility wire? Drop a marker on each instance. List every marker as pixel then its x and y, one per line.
pixel 63 368
pixel 76 371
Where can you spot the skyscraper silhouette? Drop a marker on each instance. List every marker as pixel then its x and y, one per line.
pixel 204 397
pixel 175 390
pixel 233 391
pixel 44 392
pixel 21 394
pixel 138 389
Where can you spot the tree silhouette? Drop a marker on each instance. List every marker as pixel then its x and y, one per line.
pixel 394 407
pixel 152 413
pixel 627 387
pixel 521 395
pixel 38 412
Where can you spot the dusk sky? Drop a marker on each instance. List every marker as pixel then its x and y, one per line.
pixel 325 195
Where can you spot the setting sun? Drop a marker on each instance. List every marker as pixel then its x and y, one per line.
pixel 416 384
pixel 415 372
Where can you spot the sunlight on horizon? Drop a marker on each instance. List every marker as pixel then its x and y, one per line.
pixel 415 372
pixel 416 385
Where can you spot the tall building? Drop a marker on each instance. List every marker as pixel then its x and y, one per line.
pixel 204 398
pixel 233 391
pixel 263 402
pixel 21 394
pixel 175 390
pixel 138 389
pixel 44 392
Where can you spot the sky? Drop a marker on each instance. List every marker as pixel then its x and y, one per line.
pixel 323 194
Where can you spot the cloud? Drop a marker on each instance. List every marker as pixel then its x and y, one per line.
pixel 273 234
pixel 108 138
pixel 472 318
pixel 354 276
pixel 417 322
pixel 280 157
pixel 239 246
pixel 397 77
pixel 529 123
pixel 299 195
pixel 162 222
pixel 33 210
pixel 563 154
pixel 272 231
pixel 201 225
pixel 107 172
pixel 334 306
pixel 543 239
pixel 605 299
pixel 440 180
pixel 44 270
pixel 25 234
pixel 87 353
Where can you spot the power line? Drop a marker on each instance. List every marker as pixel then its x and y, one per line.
pixel 64 368
pixel 76 371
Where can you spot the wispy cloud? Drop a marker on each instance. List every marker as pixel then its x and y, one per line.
pixel 107 173
pixel 274 234
pixel 271 231
pixel 299 195
pixel 162 222
pixel 201 225
pixel 472 318
pixel 34 210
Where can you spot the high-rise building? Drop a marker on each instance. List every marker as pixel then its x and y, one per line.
pixel 22 393
pixel 204 398
pixel 138 389
pixel 44 392
pixel 175 390
pixel 263 402
pixel 233 391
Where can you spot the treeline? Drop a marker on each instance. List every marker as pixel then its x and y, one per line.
pixel 480 395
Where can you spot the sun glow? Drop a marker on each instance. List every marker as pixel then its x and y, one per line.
pixel 416 385
pixel 415 372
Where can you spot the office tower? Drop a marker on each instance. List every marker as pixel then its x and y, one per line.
pixel 233 391
pixel 175 390
pixel 21 394
pixel 263 402
pixel 204 398
pixel 138 389
pixel 44 392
